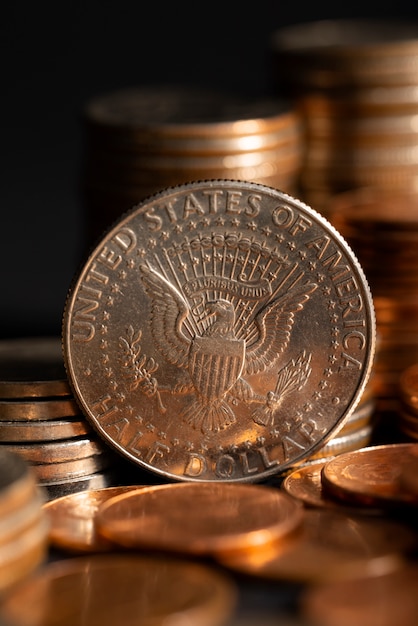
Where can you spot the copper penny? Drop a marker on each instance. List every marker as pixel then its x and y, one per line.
pixel 383 600
pixel 122 589
pixel 205 518
pixel 330 545
pixel 72 519
pixel 371 476
pixel 220 330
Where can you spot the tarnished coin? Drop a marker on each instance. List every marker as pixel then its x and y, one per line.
pixel 221 330
pixel 122 589
pixel 72 519
pixel 371 476
pixel 37 410
pixel 49 430
pixel 200 519
pixel 57 451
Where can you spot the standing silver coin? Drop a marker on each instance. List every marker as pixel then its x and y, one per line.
pixel 221 330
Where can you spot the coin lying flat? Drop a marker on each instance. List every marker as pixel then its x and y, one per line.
pixel 365 601
pixel 122 589
pixel 221 330
pixel 72 519
pixel 220 517
pixel 329 546
pixel 50 430
pixel 27 410
pixel 371 476
pixel 57 451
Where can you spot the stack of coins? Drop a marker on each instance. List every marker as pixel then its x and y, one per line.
pixel 382 229
pixel 40 420
pixel 24 525
pixel 355 85
pixel 408 402
pixel 141 140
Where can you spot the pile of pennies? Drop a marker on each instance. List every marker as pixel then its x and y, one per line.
pixel 354 82
pixel 140 140
pixel 41 421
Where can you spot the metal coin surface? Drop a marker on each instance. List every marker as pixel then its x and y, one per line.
pixel 221 330
pixel 122 589
pixel 57 451
pixel 205 518
pixel 365 601
pixel 371 476
pixel 37 410
pixel 72 519
pixel 329 546
pixel 50 430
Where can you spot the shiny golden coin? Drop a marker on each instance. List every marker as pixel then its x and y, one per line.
pixel 28 410
pixel 212 368
pixel 370 476
pixel 329 546
pixel 220 517
pixel 72 519
pixel 51 430
pixel 122 589
pixel 382 600
pixel 32 367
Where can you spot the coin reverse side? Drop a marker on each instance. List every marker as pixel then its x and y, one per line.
pixel 220 330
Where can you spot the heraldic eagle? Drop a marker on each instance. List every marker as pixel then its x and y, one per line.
pixel 216 359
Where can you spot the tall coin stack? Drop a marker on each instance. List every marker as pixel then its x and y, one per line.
pixel 382 228
pixel 355 85
pixel 141 140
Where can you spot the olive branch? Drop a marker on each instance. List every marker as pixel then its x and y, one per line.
pixel 139 367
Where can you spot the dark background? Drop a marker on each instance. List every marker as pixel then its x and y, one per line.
pixel 58 55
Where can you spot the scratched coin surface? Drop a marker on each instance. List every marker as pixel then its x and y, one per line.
pixel 220 330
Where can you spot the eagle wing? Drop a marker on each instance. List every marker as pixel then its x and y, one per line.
pixel 168 313
pixel 273 326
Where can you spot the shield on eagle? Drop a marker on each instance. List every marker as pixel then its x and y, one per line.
pixel 215 364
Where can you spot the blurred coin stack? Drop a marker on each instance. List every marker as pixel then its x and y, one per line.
pixel 41 422
pixel 408 403
pixel 355 86
pixel 141 140
pixel 24 526
pixel 382 229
